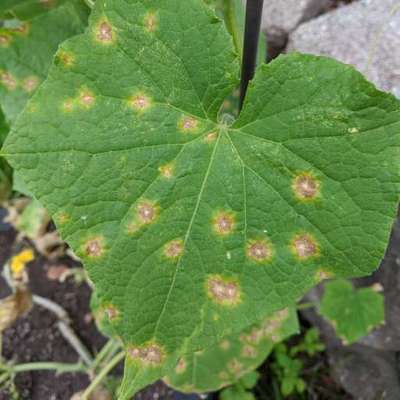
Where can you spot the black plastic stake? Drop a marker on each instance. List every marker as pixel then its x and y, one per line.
pixel 251 35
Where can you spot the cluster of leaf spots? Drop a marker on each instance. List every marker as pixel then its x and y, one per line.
pixel 352 312
pixel 150 354
pixel 247 215
pixel 233 357
pixel 223 291
pixel 27 9
pixel 27 46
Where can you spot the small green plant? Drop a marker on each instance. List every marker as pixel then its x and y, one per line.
pixel 288 370
pixel 194 227
pixel 241 389
pixel 288 367
pixel 352 312
pixel 310 345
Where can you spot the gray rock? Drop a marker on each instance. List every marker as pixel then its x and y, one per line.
pixel 365 34
pixel 280 17
pixel 365 373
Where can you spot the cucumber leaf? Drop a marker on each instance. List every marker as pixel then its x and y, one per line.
pixel 193 229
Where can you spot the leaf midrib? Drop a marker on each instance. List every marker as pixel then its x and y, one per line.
pixel 194 214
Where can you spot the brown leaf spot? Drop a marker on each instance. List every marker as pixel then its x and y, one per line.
pixel 30 83
pixel 210 137
pixel 235 367
pixel 68 105
pixel 104 32
pixel 181 366
pixel 174 249
pixel 66 58
pixel 223 291
pixel 304 246
pixel 306 187
pixel 253 337
pixel 146 212
pixel 62 218
pixel 322 275
pixel 259 251
pixel 94 247
pixel 150 22
pixel 249 351
pixel 86 98
pixel 5 40
pixel 8 80
pixel 225 344
pixel 167 170
pixel 188 124
pixel 151 355
pixel 140 102
pixel 112 312
pixel 223 223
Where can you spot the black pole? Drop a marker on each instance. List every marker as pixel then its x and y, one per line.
pixel 251 34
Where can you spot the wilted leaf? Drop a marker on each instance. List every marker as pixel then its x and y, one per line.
pixel 353 312
pixel 33 220
pixel 192 229
pixel 13 307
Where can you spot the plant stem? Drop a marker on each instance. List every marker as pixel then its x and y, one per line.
pixel 303 306
pixel 58 367
pixel 102 374
pixel 251 35
pixel 65 329
pixel 107 351
pixel 75 342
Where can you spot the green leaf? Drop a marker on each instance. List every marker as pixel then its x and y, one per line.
pixel 235 393
pixel 288 386
pixel 103 315
pixel 234 15
pixel 5 169
pixel 233 357
pixel 27 50
pixel 5 180
pixel 353 312
pixel 191 229
pixel 27 9
pixel 3 127
pixel 249 380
